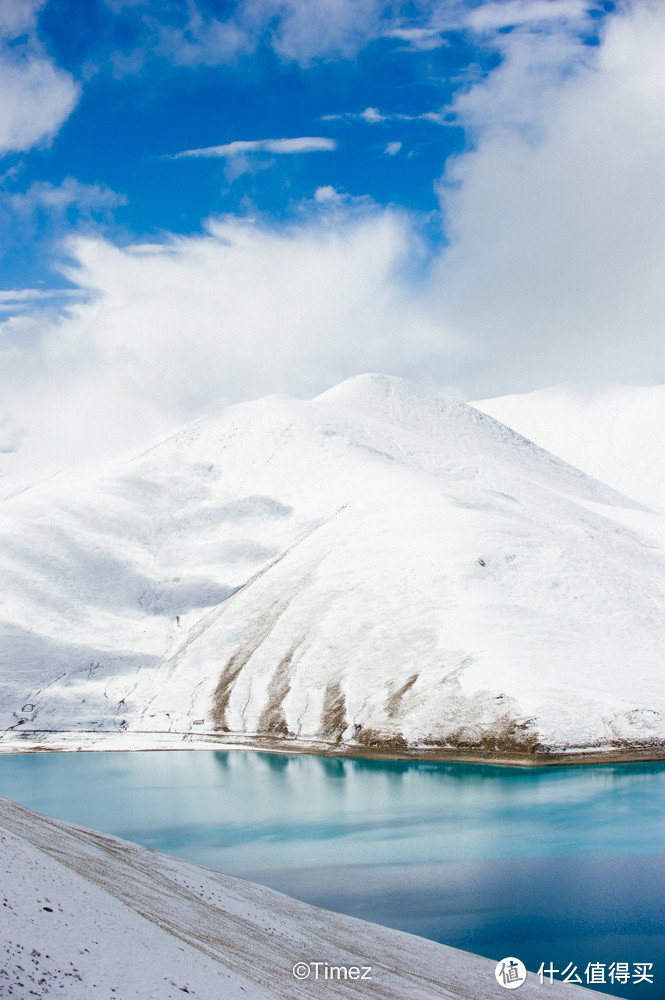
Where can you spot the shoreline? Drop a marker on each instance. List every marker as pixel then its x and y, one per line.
pixel 54 741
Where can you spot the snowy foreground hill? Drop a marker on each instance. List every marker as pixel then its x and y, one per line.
pixel 86 915
pixel 378 567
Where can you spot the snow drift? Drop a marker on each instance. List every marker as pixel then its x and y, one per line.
pixel 379 566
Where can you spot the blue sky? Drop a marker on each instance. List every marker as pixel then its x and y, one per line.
pixel 153 81
pixel 203 199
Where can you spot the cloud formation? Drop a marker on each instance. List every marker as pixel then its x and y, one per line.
pixel 372 116
pixel 36 97
pixel 57 199
pixel 557 215
pixel 520 13
pixel 18 16
pixel 241 147
pixel 300 32
pixel 13 300
pixel 194 33
pixel 551 269
pixel 241 311
pixel 417 39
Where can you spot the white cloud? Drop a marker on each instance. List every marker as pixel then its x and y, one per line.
pixel 248 155
pixel 19 294
pixel 241 147
pixel 238 312
pixel 326 193
pixel 372 115
pixel 418 39
pixel 305 30
pixel 18 16
pixel 556 223
pixel 430 22
pixel 393 148
pixel 14 300
pixel 202 41
pixel 88 199
pixel 42 214
pixel 298 31
pixel 557 217
pixel 512 13
pixel 36 97
pixel 537 57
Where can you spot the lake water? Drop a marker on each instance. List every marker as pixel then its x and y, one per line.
pixel 562 865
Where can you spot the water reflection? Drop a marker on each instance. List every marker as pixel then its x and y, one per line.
pixel 409 812
pixel 221 758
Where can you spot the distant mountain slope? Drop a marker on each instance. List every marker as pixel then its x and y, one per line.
pixel 616 434
pixel 376 566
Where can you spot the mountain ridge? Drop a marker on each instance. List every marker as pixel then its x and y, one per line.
pixel 379 566
pixel 614 433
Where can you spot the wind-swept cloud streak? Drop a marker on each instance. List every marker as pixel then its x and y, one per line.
pixel 373 116
pixel 12 300
pixel 242 147
pixel 518 13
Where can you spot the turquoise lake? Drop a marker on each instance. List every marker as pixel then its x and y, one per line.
pixel 562 865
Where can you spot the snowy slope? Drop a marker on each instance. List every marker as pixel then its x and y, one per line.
pixel 375 566
pixel 616 434
pixel 85 914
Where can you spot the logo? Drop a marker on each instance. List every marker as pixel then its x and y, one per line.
pixel 510 973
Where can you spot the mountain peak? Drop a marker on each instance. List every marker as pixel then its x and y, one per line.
pixel 377 564
pixel 374 390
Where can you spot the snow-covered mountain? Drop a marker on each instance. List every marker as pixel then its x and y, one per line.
pixel 86 914
pixel 616 433
pixel 377 566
